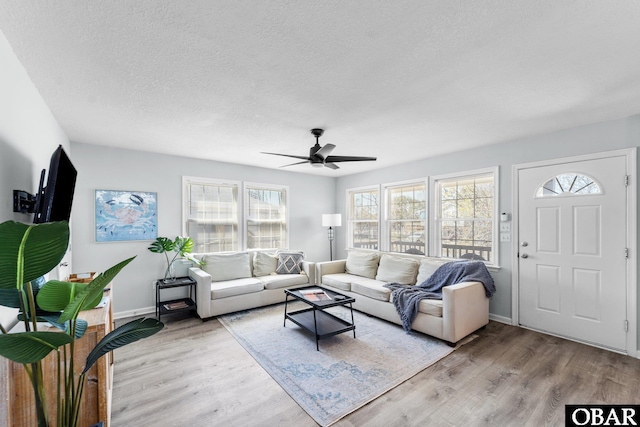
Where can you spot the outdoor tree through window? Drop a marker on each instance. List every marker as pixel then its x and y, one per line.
pixel 266 217
pixel 406 218
pixel 212 215
pixel 465 217
pixel 363 218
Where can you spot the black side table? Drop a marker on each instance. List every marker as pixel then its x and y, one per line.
pixel 175 305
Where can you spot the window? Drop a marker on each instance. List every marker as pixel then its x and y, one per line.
pixel 363 218
pixel 214 217
pixel 465 216
pixel 211 214
pixel 266 217
pixel 405 225
pixel 568 184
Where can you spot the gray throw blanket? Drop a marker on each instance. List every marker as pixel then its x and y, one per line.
pixel 406 298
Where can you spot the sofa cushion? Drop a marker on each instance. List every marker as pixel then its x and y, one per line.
pixel 264 264
pixel 394 269
pixel 231 288
pixel 370 288
pixel 289 262
pixel 428 306
pixel 363 264
pixel 279 281
pixel 227 266
pixel 339 280
pixel 427 268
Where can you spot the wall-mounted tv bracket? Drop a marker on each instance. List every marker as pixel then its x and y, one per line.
pixel 23 202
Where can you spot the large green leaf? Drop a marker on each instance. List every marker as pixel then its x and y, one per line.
pixel 35 248
pixel 10 298
pixel 30 347
pixel 56 295
pixel 90 296
pixel 183 245
pixel 121 336
pixel 161 245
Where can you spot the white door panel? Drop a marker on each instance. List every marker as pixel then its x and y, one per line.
pixel 572 265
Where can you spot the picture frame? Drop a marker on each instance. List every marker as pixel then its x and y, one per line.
pixel 122 216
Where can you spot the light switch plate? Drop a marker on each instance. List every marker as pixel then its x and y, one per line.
pixel 505 237
pixel 505 226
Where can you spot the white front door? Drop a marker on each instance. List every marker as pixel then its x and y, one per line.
pixel 572 250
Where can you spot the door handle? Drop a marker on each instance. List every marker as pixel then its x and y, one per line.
pixel 524 256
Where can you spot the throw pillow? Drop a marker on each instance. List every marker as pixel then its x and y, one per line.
pixel 290 262
pixel 427 268
pixel 395 269
pixel 363 264
pixel 227 266
pixel 264 264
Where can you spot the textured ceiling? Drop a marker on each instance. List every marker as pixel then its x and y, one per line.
pixel 399 80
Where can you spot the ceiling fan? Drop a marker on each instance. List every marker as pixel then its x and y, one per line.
pixel 319 156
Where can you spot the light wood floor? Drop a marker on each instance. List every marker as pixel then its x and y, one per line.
pixel 194 373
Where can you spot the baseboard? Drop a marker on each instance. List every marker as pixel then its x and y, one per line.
pixel 133 313
pixel 501 319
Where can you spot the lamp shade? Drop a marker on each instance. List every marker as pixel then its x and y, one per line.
pixel 331 220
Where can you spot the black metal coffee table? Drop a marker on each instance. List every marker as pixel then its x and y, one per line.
pixel 315 319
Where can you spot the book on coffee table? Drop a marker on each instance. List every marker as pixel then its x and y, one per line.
pixel 315 294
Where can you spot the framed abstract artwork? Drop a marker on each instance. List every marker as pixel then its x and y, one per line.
pixel 125 215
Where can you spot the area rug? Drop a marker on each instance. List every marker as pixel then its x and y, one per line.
pixel 346 373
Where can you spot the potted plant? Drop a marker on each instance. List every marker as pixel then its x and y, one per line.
pixel 182 246
pixel 27 253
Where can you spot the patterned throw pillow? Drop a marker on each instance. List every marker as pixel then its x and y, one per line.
pixel 290 262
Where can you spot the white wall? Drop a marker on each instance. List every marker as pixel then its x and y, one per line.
pixel 592 138
pixel 118 169
pixel 28 133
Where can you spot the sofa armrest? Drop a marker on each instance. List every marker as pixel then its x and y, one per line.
pixel 465 308
pixel 203 291
pixel 310 269
pixel 8 317
pixel 329 267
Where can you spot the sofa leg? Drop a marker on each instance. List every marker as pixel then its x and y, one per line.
pixel 450 344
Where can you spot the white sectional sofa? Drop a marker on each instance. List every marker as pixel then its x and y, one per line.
pixel 234 281
pixel 464 307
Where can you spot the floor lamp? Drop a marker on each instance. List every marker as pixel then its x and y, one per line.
pixel 331 220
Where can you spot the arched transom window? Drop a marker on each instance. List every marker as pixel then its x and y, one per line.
pixel 567 184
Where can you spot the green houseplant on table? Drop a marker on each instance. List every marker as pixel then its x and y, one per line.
pixel 29 251
pixel 182 246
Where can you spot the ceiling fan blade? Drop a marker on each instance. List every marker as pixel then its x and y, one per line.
pixel 330 159
pixel 288 155
pixel 325 151
pixel 292 164
pixel 332 166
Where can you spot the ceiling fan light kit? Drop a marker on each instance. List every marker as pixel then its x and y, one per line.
pixel 320 156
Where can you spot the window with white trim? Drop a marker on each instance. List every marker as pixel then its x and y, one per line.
pixel 266 216
pixel 405 218
pixel 211 214
pixel 363 217
pixel 466 217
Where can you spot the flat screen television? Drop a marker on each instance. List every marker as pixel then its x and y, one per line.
pixel 53 201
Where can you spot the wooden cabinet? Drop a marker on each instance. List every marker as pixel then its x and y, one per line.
pixel 16 392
